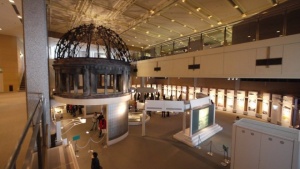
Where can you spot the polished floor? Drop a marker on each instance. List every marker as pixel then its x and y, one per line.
pixel 158 149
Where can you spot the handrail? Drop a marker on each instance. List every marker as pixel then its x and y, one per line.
pixel 12 160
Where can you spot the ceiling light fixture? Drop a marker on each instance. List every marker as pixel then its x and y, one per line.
pixel 173 20
pixel 211 25
pixel 219 23
pixel 151 11
pixel 183 0
pixel 0 29
pixel 198 9
pixel 169 38
pixel 158 26
pixel 147 32
pixel 209 16
pixel 190 13
pixel 158 35
pixel 184 25
pixel 181 34
pixel 244 15
pixel 236 6
pixel 19 16
pixel 195 30
pixel 12 1
pixel 133 28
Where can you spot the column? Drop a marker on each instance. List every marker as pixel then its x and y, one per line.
pixel 93 81
pixel 36 53
pixel 115 83
pixel 105 84
pixel 76 83
pixel 68 83
pixel 86 82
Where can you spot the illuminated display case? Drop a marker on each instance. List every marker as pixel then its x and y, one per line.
pixel 240 102
pixel 212 94
pixel 205 91
pixel 153 86
pixel 174 92
pixel 252 103
pixel 265 106
pixel 276 109
pixel 178 92
pixel 197 90
pixel 165 90
pixel 220 100
pixel 191 93
pixel 286 115
pixel 229 100
pixel 184 93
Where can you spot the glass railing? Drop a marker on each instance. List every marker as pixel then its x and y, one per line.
pixel 277 22
pixel 37 140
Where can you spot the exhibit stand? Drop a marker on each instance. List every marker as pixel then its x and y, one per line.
pixel 265 106
pixel 276 109
pixel 252 103
pixel 240 102
pixel 229 100
pixel 202 123
pixel 212 94
pixel 260 145
pixel 220 100
pixel 286 115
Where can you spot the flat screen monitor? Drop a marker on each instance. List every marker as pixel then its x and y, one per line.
pixel 202 118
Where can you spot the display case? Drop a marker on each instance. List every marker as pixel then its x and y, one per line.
pixel 229 100
pixel 276 109
pixel 205 91
pixel 220 100
pixel 240 102
pixel 184 91
pixel 191 93
pixel 265 105
pixel 287 107
pixel 252 103
pixel 212 94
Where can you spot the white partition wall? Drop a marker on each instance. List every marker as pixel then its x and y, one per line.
pixel 265 105
pixel 276 109
pixel 191 93
pixel 220 100
pixel 229 100
pixel 287 107
pixel 260 145
pixel 252 103
pixel 212 94
pixel 240 102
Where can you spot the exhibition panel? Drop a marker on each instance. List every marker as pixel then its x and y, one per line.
pixel 286 115
pixel 220 100
pixel 252 103
pixel 276 109
pixel 229 100
pixel 212 95
pixel 240 102
pixel 266 105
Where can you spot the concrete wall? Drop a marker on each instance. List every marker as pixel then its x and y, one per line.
pixel 10 62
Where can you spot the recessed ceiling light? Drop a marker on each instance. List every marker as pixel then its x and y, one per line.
pixel 158 26
pixel 19 16
pixel 0 29
pixel 236 6
pixel 158 35
pixel 147 32
pixel 176 4
pixel 181 34
pixel 219 23
pixel 12 1
pixel 183 0
pixel 190 13
pixel 195 30
pixel 198 9
pixel 184 25
pixel 169 38
pixel 171 31
pixel 276 31
pixel 211 25
pixel 133 28
pixel 151 11
pixel 173 20
pixel 244 15
pixel 209 16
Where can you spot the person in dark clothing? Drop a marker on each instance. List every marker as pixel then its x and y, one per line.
pixel 95 161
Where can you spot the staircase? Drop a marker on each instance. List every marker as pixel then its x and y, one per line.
pixel 23 84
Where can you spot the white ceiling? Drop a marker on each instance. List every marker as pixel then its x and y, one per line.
pixel 139 22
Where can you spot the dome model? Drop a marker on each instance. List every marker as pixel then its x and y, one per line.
pixel 91 62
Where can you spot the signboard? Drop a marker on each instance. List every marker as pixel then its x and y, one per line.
pixel 77 137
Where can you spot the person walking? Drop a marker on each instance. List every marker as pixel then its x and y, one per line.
pixel 102 126
pixel 95 161
pixel 94 121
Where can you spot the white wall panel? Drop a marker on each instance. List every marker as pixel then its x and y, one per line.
pixel 180 67
pixel 291 60
pixel 146 68
pixel 246 149
pixel 212 65
pixel 240 63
